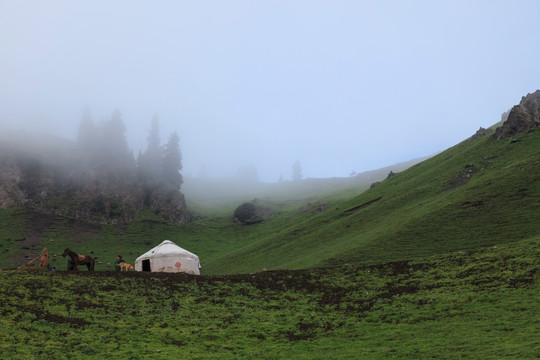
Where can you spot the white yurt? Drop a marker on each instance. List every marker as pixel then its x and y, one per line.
pixel 168 257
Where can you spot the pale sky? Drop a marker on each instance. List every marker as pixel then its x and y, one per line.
pixel 340 86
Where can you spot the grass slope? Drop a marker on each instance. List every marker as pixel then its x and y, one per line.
pixel 481 304
pixel 222 195
pixel 478 193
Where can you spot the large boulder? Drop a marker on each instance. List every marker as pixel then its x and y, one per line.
pixel 252 213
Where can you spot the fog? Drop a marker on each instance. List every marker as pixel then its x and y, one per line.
pixel 338 86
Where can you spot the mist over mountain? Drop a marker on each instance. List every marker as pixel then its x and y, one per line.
pixel 340 87
pixel 95 179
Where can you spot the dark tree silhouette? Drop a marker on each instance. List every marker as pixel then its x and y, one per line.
pixel 172 162
pixel 104 143
pixel 297 171
pixel 150 162
pixel 86 135
pixel 114 136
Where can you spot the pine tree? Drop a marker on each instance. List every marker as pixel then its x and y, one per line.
pixel 172 161
pixel 104 141
pixel 88 134
pixel 114 136
pixel 150 162
pixel 297 171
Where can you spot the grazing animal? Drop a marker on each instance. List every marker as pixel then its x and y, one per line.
pixel 78 259
pixel 126 266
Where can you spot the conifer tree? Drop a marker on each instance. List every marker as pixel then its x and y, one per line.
pixel 88 134
pixel 150 162
pixel 297 171
pixel 172 161
pixel 114 136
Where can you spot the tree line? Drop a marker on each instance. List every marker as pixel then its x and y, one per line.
pixel 106 142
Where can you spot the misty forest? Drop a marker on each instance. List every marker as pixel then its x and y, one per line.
pixel 98 172
pixel 105 143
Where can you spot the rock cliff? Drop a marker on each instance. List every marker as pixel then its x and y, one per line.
pixel 59 180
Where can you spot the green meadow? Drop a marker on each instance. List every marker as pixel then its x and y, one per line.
pixel 440 261
pixel 478 304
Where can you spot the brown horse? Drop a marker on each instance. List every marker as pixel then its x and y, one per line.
pixel 78 259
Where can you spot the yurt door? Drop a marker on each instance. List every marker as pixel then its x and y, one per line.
pixel 146 265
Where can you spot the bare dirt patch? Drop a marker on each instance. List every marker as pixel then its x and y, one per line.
pixel 462 177
pixel 82 231
pixel 37 225
pixel 30 245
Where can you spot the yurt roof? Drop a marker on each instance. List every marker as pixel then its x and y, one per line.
pixel 167 248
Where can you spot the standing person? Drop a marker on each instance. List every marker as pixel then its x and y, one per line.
pixel 117 262
pixel 44 258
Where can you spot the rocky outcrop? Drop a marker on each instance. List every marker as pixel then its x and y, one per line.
pixel 479 133
pixel 522 118
pixel 168 203
pixel 11 195
pixel 376 183
pixel 97 192
pixel 390 175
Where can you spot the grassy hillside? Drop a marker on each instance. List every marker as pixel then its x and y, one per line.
pixel 222 195
pixel 481 304
pixel 478 193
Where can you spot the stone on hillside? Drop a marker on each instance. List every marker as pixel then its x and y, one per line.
pixel 316 208
pixel 462 177
pixel 251 213
pixel 479 133
pixel 374 184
